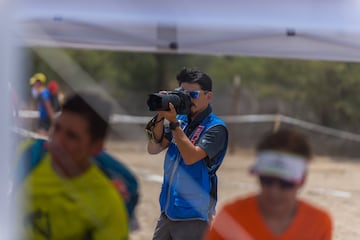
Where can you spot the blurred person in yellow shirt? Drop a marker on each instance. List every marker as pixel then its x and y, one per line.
pixel 66 196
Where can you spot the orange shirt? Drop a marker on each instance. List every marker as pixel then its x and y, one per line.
pixel 241 219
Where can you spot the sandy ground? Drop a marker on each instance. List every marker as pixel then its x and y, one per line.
pixel 332 184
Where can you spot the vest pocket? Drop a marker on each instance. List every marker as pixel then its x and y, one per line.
pixel 190 207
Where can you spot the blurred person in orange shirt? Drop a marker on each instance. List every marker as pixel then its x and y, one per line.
pixel 276 212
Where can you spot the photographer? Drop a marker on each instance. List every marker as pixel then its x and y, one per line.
pixel 196 142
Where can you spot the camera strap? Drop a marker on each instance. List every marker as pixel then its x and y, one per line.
pixel 149 129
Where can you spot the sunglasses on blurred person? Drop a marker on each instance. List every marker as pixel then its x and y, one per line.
pixel 267 181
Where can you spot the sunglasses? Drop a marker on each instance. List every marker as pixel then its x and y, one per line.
pixel 195 94
pixel 269 181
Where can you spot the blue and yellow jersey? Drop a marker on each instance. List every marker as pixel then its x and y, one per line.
pixel 83 207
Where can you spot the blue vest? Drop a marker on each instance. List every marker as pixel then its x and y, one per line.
pixel 189 191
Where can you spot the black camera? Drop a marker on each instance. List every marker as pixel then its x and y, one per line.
pixel 160 101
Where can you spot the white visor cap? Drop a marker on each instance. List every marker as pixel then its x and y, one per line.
pixel 280 164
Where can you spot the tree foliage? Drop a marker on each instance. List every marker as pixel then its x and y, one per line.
pixel 327 89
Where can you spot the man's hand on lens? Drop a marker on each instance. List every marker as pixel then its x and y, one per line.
pixel 169 115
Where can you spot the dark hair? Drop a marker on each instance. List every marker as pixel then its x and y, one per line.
pixel 94 109
pixel 286 140
pixel 195 76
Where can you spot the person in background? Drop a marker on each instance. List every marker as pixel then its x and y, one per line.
pixel 43 97
pixel 276 212
pixel 57 97
pixel 196 144
pixel 67 196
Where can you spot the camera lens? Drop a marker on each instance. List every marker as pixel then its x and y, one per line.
pixel 160 102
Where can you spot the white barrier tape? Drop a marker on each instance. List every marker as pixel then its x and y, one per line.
pixel 251 118
pixel 332 192
pixel 321 129
pixel 115 118
pixel 28 114
pixel 27 133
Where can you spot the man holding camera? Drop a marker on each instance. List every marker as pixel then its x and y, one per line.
pixel 196 144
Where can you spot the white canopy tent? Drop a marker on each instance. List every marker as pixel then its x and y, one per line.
pixel 301 29
pixel 307 29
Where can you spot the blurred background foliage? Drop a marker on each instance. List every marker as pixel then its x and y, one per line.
pixel 323 92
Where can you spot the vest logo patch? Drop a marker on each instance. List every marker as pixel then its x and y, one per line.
pixel 197 133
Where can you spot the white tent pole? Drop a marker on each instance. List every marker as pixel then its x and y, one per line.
pixel 7 63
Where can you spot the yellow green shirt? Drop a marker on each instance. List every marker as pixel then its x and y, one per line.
pixel 84 207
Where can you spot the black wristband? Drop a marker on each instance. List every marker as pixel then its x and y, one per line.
pixel 174 125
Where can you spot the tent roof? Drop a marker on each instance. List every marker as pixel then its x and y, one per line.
pixel 307 29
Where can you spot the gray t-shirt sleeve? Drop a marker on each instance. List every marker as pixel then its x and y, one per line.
pixel 213 140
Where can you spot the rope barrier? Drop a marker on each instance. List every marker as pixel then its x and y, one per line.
pixel 250 118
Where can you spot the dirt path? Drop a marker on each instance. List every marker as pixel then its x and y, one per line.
pixel 331 184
